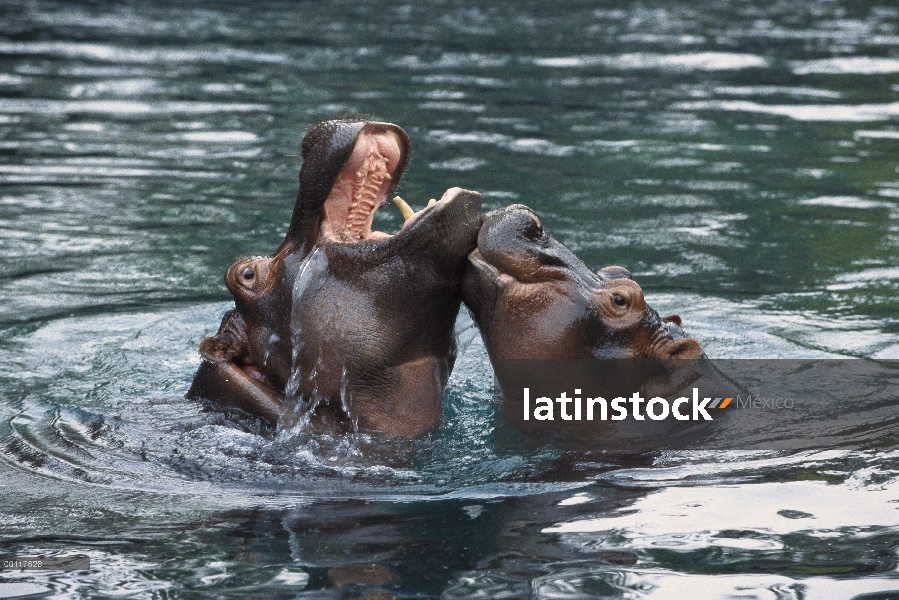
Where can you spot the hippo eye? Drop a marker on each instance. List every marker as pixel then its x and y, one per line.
pixel 248 274
pixel 619 300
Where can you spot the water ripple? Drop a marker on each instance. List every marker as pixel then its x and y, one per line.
pixel 700 61
pixel 105 52
pixel 121 107
pixel 809 112
pixel 856 65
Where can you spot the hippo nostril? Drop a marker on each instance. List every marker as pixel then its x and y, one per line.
pixel 619 300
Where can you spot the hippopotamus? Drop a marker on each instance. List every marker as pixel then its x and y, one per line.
pixel 546 318
pixel 347 326
pixel 532 298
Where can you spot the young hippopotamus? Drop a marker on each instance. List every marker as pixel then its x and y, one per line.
pixel 348 326
pixel 534 299
pixel 542 311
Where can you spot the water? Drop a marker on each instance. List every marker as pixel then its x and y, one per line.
pixel 740 159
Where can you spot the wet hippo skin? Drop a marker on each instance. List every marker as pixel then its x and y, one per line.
pixel 343 325
pixel 534 299
pixel 535 303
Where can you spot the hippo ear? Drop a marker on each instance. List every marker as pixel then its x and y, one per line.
pixel 672 318
pixel 216 349
pixel 683 349
pixel 614 272
pixel 229 343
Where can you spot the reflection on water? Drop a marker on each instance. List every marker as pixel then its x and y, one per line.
pixel 740 159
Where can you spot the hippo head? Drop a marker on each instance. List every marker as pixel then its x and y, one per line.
pixel 355 321
pixel 534 299
pixel 350 168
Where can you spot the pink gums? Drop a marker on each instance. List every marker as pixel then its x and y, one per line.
pixel 361 188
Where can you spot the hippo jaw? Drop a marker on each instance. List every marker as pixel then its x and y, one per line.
pixel 350 166
pixel 533 298
pixel 447 227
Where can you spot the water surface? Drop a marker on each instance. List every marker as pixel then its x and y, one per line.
pixel 740 159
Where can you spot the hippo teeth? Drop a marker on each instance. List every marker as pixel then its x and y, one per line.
pixel 408 212
pixel 405 209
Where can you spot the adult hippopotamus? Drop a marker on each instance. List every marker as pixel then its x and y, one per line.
pixel 348 326
pixel 534 299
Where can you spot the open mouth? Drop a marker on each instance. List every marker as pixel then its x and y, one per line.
pixel 363 186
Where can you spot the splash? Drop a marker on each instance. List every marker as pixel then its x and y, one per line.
pixel 299 408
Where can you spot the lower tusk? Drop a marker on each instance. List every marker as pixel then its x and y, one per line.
pixel 432 202
pixel 387 177
pixel 405 209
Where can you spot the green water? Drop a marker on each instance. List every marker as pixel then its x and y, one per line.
pixel 741 159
